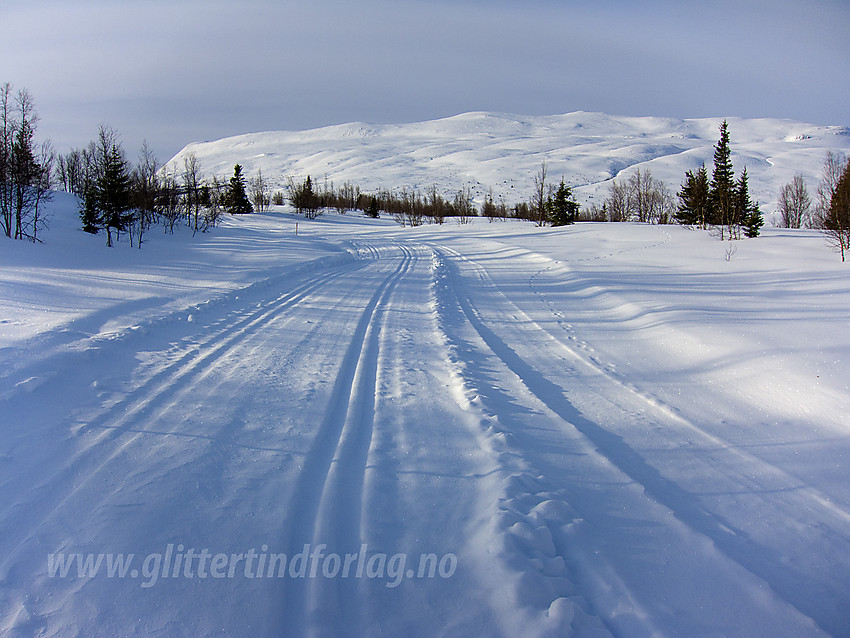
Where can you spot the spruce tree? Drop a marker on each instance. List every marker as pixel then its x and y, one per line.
pixel 694 199
pixel 373 211
pixel 746 212
pixel 722 182
pixel 112 196
pixel 753 222
pixel 236 199
pixel 563 210
pixel 303 198
pixel 88 196
pixel 310 201
pixel 25 173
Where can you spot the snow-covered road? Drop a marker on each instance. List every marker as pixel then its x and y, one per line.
pixel 437 431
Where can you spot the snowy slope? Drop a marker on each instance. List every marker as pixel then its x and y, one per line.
pixel 504 152
pixel 600 430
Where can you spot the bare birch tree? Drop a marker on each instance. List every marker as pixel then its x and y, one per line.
pixel 794 203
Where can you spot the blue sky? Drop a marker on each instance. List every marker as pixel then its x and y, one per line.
pixel 173 72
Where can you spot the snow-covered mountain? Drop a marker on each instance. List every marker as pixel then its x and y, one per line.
pixel 503 152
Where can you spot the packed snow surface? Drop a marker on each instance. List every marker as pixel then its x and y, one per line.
pixel 597 430
pixel 500 152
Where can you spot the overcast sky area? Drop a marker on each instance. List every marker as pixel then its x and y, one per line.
pixel 173 72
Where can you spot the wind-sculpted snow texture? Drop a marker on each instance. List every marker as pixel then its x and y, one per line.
pixel 601 430
pixel 483 151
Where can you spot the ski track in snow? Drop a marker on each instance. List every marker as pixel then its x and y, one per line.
pixel 152 399
pixel 723 534
pixel 329 492
pixel 412 399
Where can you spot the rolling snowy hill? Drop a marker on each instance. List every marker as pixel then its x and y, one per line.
pixel 504 152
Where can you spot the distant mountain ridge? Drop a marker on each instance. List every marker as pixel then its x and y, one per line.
pixel 484 150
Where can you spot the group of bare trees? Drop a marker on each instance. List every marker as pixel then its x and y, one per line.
pixel 829 211
pixel 412 208
pixel 832 209
pixel 25 168
pixel 794 204
pixel 639 198
pixel 260 192
pixel 550 204
pixel 493 211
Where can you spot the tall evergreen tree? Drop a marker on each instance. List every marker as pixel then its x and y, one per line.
pixel 88 192
pixel 722 183
pixel 236 199
pixel 563 210
pixel 747 212
pixel 106 198
pixel 25 173
pixel 113 192
pixel 694 201
pixel 88 211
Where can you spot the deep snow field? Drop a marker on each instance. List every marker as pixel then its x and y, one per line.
pixel 603 429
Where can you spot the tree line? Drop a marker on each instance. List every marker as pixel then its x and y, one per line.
pixel 117 196
pixel 407 206
pixel 412 207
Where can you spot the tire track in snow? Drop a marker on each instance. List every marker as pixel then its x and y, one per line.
pixel 152 399
pixel 328 497
pixel 734 543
